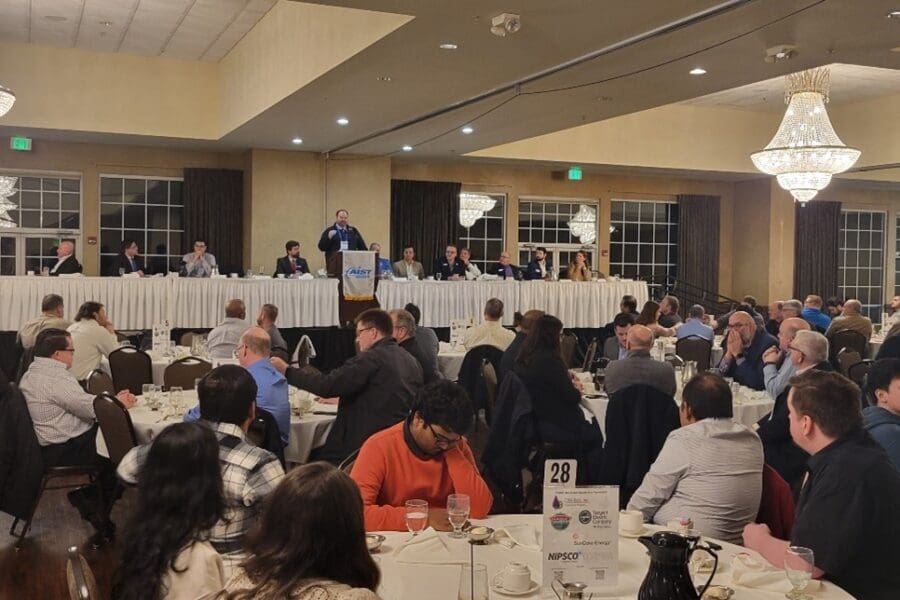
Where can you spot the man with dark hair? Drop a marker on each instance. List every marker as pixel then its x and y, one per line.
pixel 376 387
pixel 291 263
pixel 52 313
pixel 450 267
pixel 490 331
pixel 848 512
pixel 425 457
pixel 268 314
pixel 538 268
pixel 405 335
pixel 883 420
pixel 747 305
pixel 775 317
pixel 198 263
pixel 508 360
pixel 127 260
pixel 710 468
pixel 340 236
pixel 64 422
pixel 409 267
pixel 834 306
pixel 668 312
pixel 616 346
pixel 628 305
pixel 249 473
pixel 223 339
pixel 745 344
pixel 426 335
pixel 696 325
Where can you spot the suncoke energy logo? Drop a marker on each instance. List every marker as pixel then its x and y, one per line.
pixel 560 521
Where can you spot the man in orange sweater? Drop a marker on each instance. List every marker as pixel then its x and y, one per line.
pixel 426 458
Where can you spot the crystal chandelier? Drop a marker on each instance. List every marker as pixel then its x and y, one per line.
pixel 468 217
pixel 584 224
pixel 7 188
pixel 473 206
pixel 805 151
pixel 7 99
pixel 7 185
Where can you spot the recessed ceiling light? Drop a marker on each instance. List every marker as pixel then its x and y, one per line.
pixel 894 14
pixel 297 141
pixel 105 23
pixel 897 49
pixel 56 18
pixel 407 148
pixel 385 78
pixel 697 71
pixel 467 129
pixel 343 121
pixel 604 99
pixel 448 46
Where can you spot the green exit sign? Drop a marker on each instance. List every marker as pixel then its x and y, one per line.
pixel 22 144
pixel 574 173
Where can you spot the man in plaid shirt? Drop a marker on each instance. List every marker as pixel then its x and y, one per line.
pixel 227 402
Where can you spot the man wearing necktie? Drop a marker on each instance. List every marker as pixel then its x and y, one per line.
pixel 291 263
pixel 127 261
pixel 340 236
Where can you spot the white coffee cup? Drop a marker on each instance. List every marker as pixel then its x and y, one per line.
pixel 281 276
pixel 631 521
pixel 515 577
pixel 30 273
pixel 233 275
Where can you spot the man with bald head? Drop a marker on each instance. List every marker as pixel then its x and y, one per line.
pixel 745 344
pixel 851 318
pixel 637 368
pixel 224 338
pixel 778 368
pixel 66 263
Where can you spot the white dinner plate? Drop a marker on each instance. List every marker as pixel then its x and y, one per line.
pixel 502 590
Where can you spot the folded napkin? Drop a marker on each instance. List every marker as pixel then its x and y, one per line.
pixel 427 548
pixel 749 572
pixel 523 535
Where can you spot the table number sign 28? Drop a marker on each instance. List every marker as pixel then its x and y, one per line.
pixel 560 472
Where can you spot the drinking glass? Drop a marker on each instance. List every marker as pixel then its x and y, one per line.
pixel 121 271
pixel 416 515
pixel 798 566
pixel 457 513
pixel 146 390
pixel 735 392
pixel 249 274
pixel 45 271
pixel 262 270
pixel 176 397
pixel 473 582
pixel 437 276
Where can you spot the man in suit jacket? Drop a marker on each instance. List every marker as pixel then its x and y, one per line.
pixel 539 267
pixel 127 260
pixel 291 263
pixel 66 263
pixel 450 267
pixel 340 236
pixel 504 269
pixel 616 346
pixel 745 344
pixel 638 368
pixel 409 267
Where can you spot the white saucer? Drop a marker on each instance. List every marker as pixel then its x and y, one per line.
pixel 634 534
pixel 502 590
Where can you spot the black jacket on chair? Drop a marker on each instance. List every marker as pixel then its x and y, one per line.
pixel 470 377
pixel 283 265
pixel 510 439
pixel 21 464
pixel 121 262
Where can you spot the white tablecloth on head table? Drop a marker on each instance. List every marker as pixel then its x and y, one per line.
pixel 413 581
pixel 139 303
pixel 577 304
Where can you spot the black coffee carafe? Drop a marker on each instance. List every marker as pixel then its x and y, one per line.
pixel 669 576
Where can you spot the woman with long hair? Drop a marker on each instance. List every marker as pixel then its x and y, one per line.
pixel 165 554
pixel 93 337
pixel 579 269
pixel 310 543
pixel 649 317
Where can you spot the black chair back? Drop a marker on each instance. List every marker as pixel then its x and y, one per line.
pixel 846 358
pixel 589 355
pixel 99 382
pixel 859 371
pixel 131 369
pixel 184 371
pixel 264 433
pixel 470 372
pixel 695 348
pixel 115 425
pixel 489 374
pixel 567 346
pixel 24 362
pixel 847 338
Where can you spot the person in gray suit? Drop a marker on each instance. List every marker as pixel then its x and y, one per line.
pixel 638 368
pixel 406 267
pixel 616 347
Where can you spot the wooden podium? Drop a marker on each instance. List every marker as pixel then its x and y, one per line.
pixel 348 310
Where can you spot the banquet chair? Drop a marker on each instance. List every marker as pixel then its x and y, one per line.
pixel 80 577
pixel 184 371
pixel 695 348
pixel 131 369
pixel 847 358
pixel 859 371
pixel 98 382
pixel 848 338
pixel 25 361
pixel 347 464
pixel 471 376
pixel 776 505
pixel 589 356
pixel 118 433
pixel 264 433
pixel 567 346
pixel 489 375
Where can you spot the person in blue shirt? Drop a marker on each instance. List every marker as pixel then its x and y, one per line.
pixel 812 312
pixel 883 421
pixel 271 386
pixel 696 325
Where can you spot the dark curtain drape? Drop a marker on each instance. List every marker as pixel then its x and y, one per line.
pixel 213 211
pixel 698 240
pixel 817 225
pixel 424 214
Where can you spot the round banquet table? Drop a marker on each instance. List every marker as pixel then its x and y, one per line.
pixel 450 360
pixel 415 581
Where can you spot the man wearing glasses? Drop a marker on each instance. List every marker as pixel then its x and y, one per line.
pixel 376 387
pixel 745 344
pixel 426 458
pixel 198 263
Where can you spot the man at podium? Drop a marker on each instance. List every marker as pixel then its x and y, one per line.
pixel 340 236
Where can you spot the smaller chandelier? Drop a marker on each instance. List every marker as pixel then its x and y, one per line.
pixel 583 224
pixel 7 99
pixel 480 202
pixel 7 185
pixel 805 151
pixel 468 217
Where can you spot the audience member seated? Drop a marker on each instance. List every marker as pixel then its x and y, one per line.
pixel 834 306
pixel 848 512
pixel 812 312
pixel 450 267
pixel 883 421
pixel 808 350
pixel 425 457
pixel 508 360
pixel 747 305
pixel 710 468
pixel 890 348
pixel 127 260
pixel 93 336
pixel 409 267
pixel 291 263
pixel 318 552
pixel 249 473
pixel 65 424
pixel 852 319
pixel 556 395
pixel 223 339
pixel 165 552
pixel 66 263
pixel 52 317
pixel 696 325
pixel 198 263
pixel 792 308
pixel 384 263
pixel 376 387
pixel 504 269
pixel 775 318
pixel 745 344
pixel 340 236
pixel 491 330
pixel 778 368
pixel 579 269
pixel 616 346
pixel 628 305
pixel 268 314
pixel 668 311
pixel 426 335
pixel 472 270
pixel 649 318
pixel 405 335
pixel 637 368
pixel 539 267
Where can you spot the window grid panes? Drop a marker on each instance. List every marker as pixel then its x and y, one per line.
pixel 643 238
pixel 485 239
pixel 861 259
pixel 150 211
pixel 47 202
pixel 544 222
pixel 7 255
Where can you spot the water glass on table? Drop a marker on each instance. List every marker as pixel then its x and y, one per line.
pixel 416 516
pixel 798 566
pixel 473 582
pixel 458 513
pixel 176 397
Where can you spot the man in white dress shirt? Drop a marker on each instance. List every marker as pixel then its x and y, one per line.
pixel 94 337
pixel 491 330
pixel 710 469
pixel 225 337
pixel 66 263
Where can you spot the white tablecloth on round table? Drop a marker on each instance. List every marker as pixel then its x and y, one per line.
pixel 874 346
pixel 577 304
pixel 411 581
pixel 139 303
pixel 450 361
